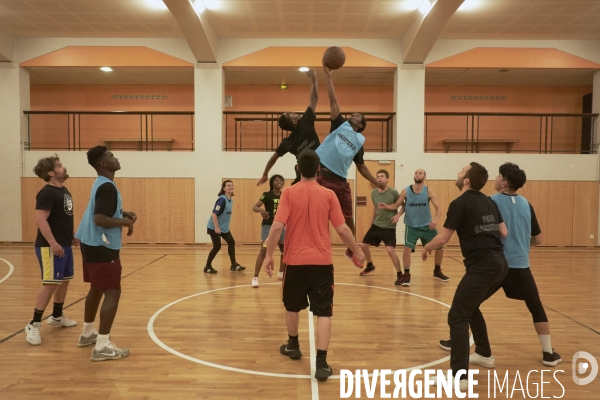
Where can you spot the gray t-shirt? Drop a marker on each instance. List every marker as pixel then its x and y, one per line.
pixel 383 218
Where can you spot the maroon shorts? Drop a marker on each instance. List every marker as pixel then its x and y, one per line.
pixel 103 276
pixel 341 190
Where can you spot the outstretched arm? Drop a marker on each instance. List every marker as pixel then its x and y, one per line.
pixel 333 104
pixel 270 163
pixel 397 204
pixel 314 89
pixel 364 171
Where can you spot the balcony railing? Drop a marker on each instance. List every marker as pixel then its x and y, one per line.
pixel 127 130
pixel 258 130
pixel 510 132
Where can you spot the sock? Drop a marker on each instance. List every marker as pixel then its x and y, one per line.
pixel 57 311
pixel 321 358
pixel 102 341
pixel 407 270
pixel 438 267
pixel 88 329
pixel 293 342
pixel 399 274
pixel 37 315
pixel 546 343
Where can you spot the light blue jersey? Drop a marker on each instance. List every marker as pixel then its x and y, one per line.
pixel 91 234
pixel 339 148
pixel 516 213
pixel 417 213
pixel 223 209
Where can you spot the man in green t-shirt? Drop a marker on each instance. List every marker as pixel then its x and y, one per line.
pixel 382 229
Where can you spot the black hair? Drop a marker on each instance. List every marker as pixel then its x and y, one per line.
pixel 477 175
pixel 45 165
pixel 285 123
pixel 272 180
pixel 95 154
pixel 308 163
pixel 514 175
pixel 222 192
pixel 363 121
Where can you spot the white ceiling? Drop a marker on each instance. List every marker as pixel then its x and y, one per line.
pixel 487 19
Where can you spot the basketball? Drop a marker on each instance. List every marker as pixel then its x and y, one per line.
pixel 334 58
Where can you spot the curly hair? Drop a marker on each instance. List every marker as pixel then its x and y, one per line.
pixel 272 180
pixel 44 166
pixel 94 155
pixel 514 175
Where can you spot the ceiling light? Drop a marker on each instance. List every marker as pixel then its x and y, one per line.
pixel 412 4
pixel 211 4
pixel 425 7
pixel 468 5
pixel 106 69
pixel 199 6
pixel 303 69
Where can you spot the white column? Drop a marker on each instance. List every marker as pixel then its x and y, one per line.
pixel 14 98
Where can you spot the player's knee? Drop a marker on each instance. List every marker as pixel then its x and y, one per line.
pixel 537 312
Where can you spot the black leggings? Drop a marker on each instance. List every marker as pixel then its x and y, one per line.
pixel 216 241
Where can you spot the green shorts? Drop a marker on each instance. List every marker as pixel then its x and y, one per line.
pixel 411 235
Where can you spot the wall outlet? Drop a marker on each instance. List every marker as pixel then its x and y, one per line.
pixel 591 236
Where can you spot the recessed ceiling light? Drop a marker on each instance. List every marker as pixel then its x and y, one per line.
pixel 412 4
pixel 199 6
pixel 303 69
pixel 425 7
pixel 211 4
pixel 106 69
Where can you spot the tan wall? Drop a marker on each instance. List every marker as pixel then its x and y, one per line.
pixel 165 206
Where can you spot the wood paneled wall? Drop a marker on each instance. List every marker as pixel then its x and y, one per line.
pixel 566 211
pixel 165 206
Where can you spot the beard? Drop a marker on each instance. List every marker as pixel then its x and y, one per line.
pixel 65 177
pixel 460 183
pixel 418 180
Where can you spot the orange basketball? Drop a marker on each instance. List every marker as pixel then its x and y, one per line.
pixel 334 58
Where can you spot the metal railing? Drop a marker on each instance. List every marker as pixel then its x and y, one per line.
pixel 510 132
pixel 123 130
pixel 259 131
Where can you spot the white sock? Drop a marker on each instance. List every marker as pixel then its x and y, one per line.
pixel 546 343
pixel 102 341
pixel 88 329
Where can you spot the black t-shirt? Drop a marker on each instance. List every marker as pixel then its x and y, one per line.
pixel 304 136
pixel 535 226
pixel 475 218
pixel 60 204
pixel 271 202
pixel 106 204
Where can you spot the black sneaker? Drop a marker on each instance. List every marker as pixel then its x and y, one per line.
pixel 236 267
pixel 445 344
pixel 399 280
pixel 294 354
pixel 437 274
pixel 209 270
pixel 551 359
pixel 406 279
pixel 367 270
pixel 321 374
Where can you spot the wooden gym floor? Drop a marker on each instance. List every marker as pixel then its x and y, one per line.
pixel 221 340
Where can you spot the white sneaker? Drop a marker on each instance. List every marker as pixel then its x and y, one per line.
pixel 487 362
pixel 61 321
pixel 32 331
pixel 109 352
pixel 280 275
pixel 254 282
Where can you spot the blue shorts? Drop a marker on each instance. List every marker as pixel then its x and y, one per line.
pixel 55 270
pixel 264 233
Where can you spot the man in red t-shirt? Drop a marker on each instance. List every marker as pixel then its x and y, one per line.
pixel 306 210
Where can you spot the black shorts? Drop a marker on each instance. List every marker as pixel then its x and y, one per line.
pixel 304 283
pixel 375 235
pixel 520 285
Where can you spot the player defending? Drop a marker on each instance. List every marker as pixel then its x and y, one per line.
pixel 270 200
pixel 54 217
pixel 341 147
pixel 303 134
pixel 382 229
pixel 414 200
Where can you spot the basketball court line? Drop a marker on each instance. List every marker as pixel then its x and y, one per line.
pixel 76 301
pixel 577 322
pixel 11 269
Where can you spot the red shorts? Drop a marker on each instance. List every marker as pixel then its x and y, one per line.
pixel 341 190
pixel 103 276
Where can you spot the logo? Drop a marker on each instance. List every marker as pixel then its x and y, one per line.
pixel 68 204
pixel 580 368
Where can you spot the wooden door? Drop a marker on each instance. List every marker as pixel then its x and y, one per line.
pixel 363 204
